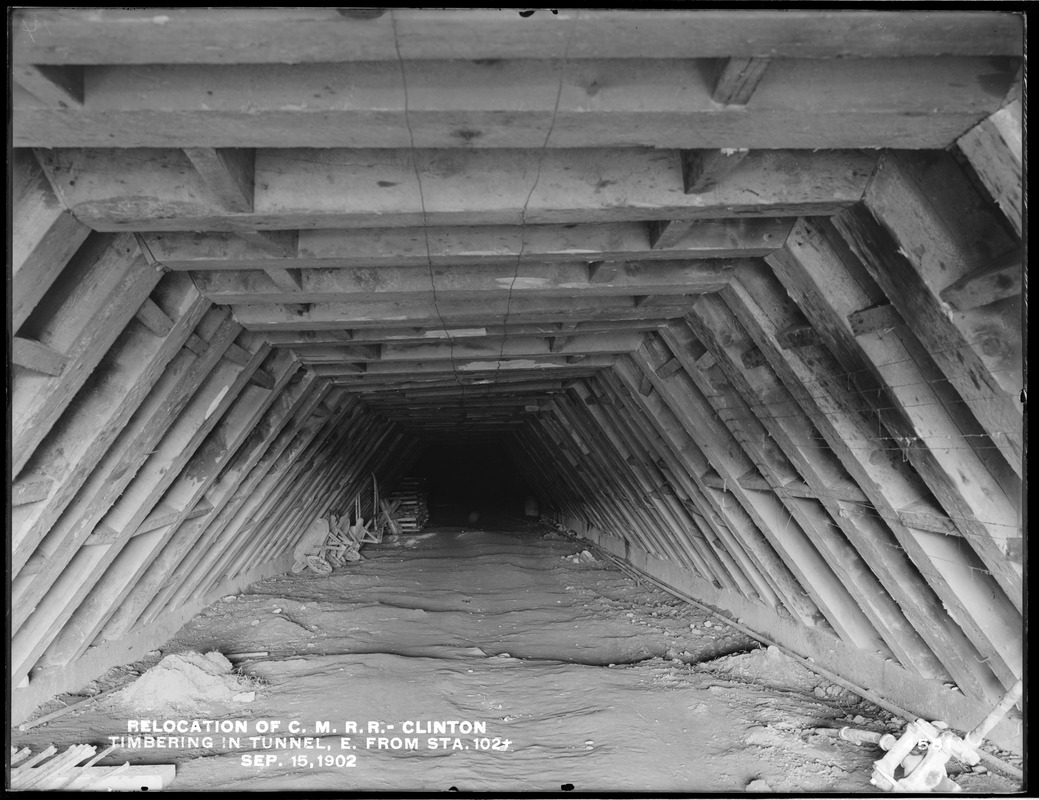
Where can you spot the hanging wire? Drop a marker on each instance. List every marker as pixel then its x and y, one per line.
pixel 422 201
pixel 537 177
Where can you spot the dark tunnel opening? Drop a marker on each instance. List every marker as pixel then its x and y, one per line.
pixel 472 483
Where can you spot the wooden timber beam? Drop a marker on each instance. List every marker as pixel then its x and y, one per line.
pixel 208 36
pixel 739 559
pixel 730 460
pixel 54 86
pixel 667 233
pixel 459 246
pixel 771 565
pixel 30 490
pixel 874 319
pixel 675 533
pixel 187 495
pixel 916 409
pixel 466 364
pixel 634 184
pixel 994 149
pixel 512 346
pixel 37 357
pixel 556 280
pixel 260 482
pixel 795 336
pixel 817 381
pixel 922 225
pixel 988 284
pixel 74 448
pixel 660 103
pixel 705 169
pixel 56 538
pixel 154 318
pixel 146 488
pixel 812 486
pixel 276 244
pixel 227 172
pixel 44 236
pixel 691 532
pixel 89 314
pixel 737 78
pixel 522 310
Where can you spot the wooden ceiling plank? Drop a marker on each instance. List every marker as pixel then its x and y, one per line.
pixel 911 103
pixel 476 283
pixel 216 36
pixel 302 341
pixel 370 314
pixel 541 244
pixel 462 188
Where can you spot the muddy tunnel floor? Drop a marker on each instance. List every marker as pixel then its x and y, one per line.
pixel 582 676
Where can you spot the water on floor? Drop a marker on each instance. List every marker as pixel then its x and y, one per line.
pixel 485 660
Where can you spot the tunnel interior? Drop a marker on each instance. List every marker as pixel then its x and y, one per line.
pixel 663 316
pixel 466 479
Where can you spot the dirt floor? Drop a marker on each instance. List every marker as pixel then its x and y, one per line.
pixel 571 673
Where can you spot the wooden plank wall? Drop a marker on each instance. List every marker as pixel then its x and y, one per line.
pixel 742 294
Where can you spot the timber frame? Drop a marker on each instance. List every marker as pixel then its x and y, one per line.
pixel 741 295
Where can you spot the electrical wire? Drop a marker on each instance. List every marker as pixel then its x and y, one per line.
pixel 530 194
pixel 425 221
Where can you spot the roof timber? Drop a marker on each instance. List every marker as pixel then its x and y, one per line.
pixel 302 341
pixel 214 36
pixel 473 283
pixel 509 346
pixel 449 314
pixel 487 244
pixel 845 103
pixel 159 190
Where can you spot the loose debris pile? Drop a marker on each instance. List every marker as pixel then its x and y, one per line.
pixel 584 557
pixel 185 681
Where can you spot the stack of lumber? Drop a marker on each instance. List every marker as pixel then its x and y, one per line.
pixel 48 771
pixel 411 511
